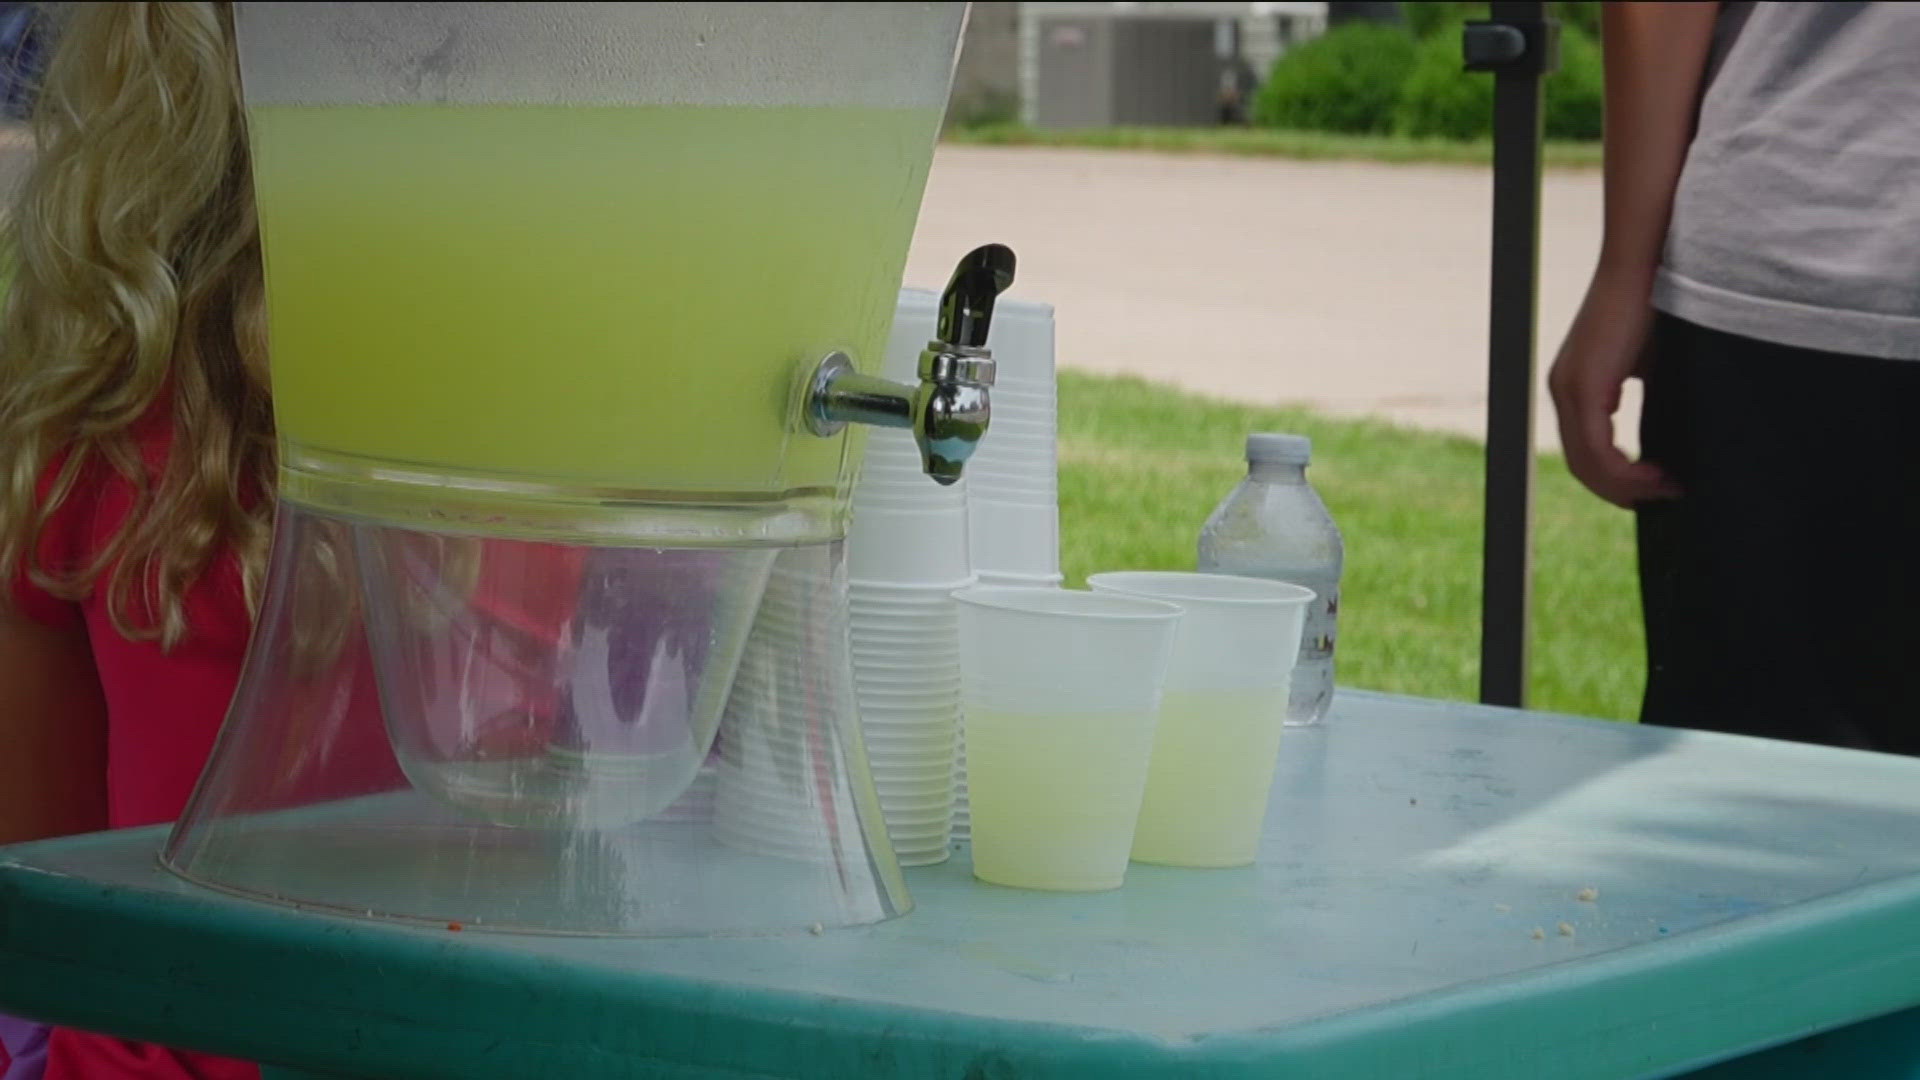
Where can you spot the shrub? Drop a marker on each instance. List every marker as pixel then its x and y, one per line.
pixel 1583 16
pixel 1439 99
pixel 1430 17
pixel 1345 80
pixel 1575 92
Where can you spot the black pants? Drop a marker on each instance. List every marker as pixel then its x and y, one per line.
pixel 1782 591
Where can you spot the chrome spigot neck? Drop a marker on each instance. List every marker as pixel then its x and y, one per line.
pixel 949 409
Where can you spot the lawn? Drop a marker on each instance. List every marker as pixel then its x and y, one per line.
pixel 1269 142
pixel 1141 465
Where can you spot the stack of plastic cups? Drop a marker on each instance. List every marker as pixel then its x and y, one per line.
pixel 1013 479
pixel 906 553
pixel 767 797
pixel 1013 482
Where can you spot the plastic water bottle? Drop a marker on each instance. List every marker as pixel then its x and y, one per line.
pixel 1275 526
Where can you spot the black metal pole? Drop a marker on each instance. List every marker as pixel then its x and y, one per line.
pixel 1518 45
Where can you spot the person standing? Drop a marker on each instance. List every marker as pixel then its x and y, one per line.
pixel 1760 271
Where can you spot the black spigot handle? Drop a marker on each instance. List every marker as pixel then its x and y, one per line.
pixel 966 308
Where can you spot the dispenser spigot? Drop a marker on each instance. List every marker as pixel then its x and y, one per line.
pixel 949 409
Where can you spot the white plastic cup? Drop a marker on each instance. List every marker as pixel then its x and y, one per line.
pixel 866 501
pixel 932 596
pixel 1022 340
pixel 910 492
pixel 1021 491
pixel 1024 391
pixel 1027 417
pixel 1025 457
pixel 1020 581
pixel 1021 443
pixel 1010 538
pixel 1221 717
pixel 908 546
pixel 1060 691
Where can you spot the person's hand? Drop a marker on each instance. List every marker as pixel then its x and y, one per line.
pixel 1602 351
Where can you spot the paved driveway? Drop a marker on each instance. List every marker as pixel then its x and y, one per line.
pixel 1353 287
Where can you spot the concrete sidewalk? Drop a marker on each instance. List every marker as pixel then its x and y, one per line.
pixel 1356 288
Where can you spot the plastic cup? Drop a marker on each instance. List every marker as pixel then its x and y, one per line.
pixel 865 500
pixel 896 662
pixel 1026 494
pixel 918 777
pixel 913 593
pixel 1029 460
pixel 1014 416
pixel 941 684
pixel 915 778
pixel 1014 539
pixel 1032 423
pixel 1018 434
pixel 912 758
pixel 901 641
pixel 900 730
pixel 1016 451
pixel 1060 693
pixel 1021 581
pixel 904 610
pixel 925 627
pixel 926 667
pixel 1029 393
pixel 883 482
pixel 905 600
pixel 875 698
pixel 908 546
pixel 1221 717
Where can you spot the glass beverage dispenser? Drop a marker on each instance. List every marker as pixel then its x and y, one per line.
pixel 569 306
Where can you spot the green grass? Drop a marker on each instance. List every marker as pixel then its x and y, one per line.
pixel 1270 142
pixel 1141 466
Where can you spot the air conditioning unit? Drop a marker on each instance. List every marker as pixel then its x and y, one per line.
pixel 1111 70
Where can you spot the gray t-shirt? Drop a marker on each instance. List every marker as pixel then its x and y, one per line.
pixel 1797 217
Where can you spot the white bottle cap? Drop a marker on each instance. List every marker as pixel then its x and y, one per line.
pixel 1271 449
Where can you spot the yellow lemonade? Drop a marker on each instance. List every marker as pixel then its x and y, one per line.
pixel 603 297
pixel 1213 761
pixel 1053 796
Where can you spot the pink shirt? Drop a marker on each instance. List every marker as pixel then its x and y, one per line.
pixel 163 711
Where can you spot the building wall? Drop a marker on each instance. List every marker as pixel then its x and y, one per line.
pixel 1266 29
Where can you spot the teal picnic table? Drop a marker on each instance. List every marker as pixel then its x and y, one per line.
pixel 1445 891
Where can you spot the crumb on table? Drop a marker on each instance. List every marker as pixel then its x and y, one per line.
pixel 1539 934
pixel 1566 929
pixel 1588 894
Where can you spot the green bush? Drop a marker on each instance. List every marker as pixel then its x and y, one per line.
pixel 1583 15
pixel 1575 93
pixel 1439 99
pixel 1429 17
pixel 1347 80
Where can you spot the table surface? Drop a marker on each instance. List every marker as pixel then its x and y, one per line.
pixel 1747 893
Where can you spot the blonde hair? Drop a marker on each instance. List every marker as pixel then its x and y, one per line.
pixel 135 266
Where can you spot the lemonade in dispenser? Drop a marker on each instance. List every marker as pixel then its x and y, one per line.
pixel 570 306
